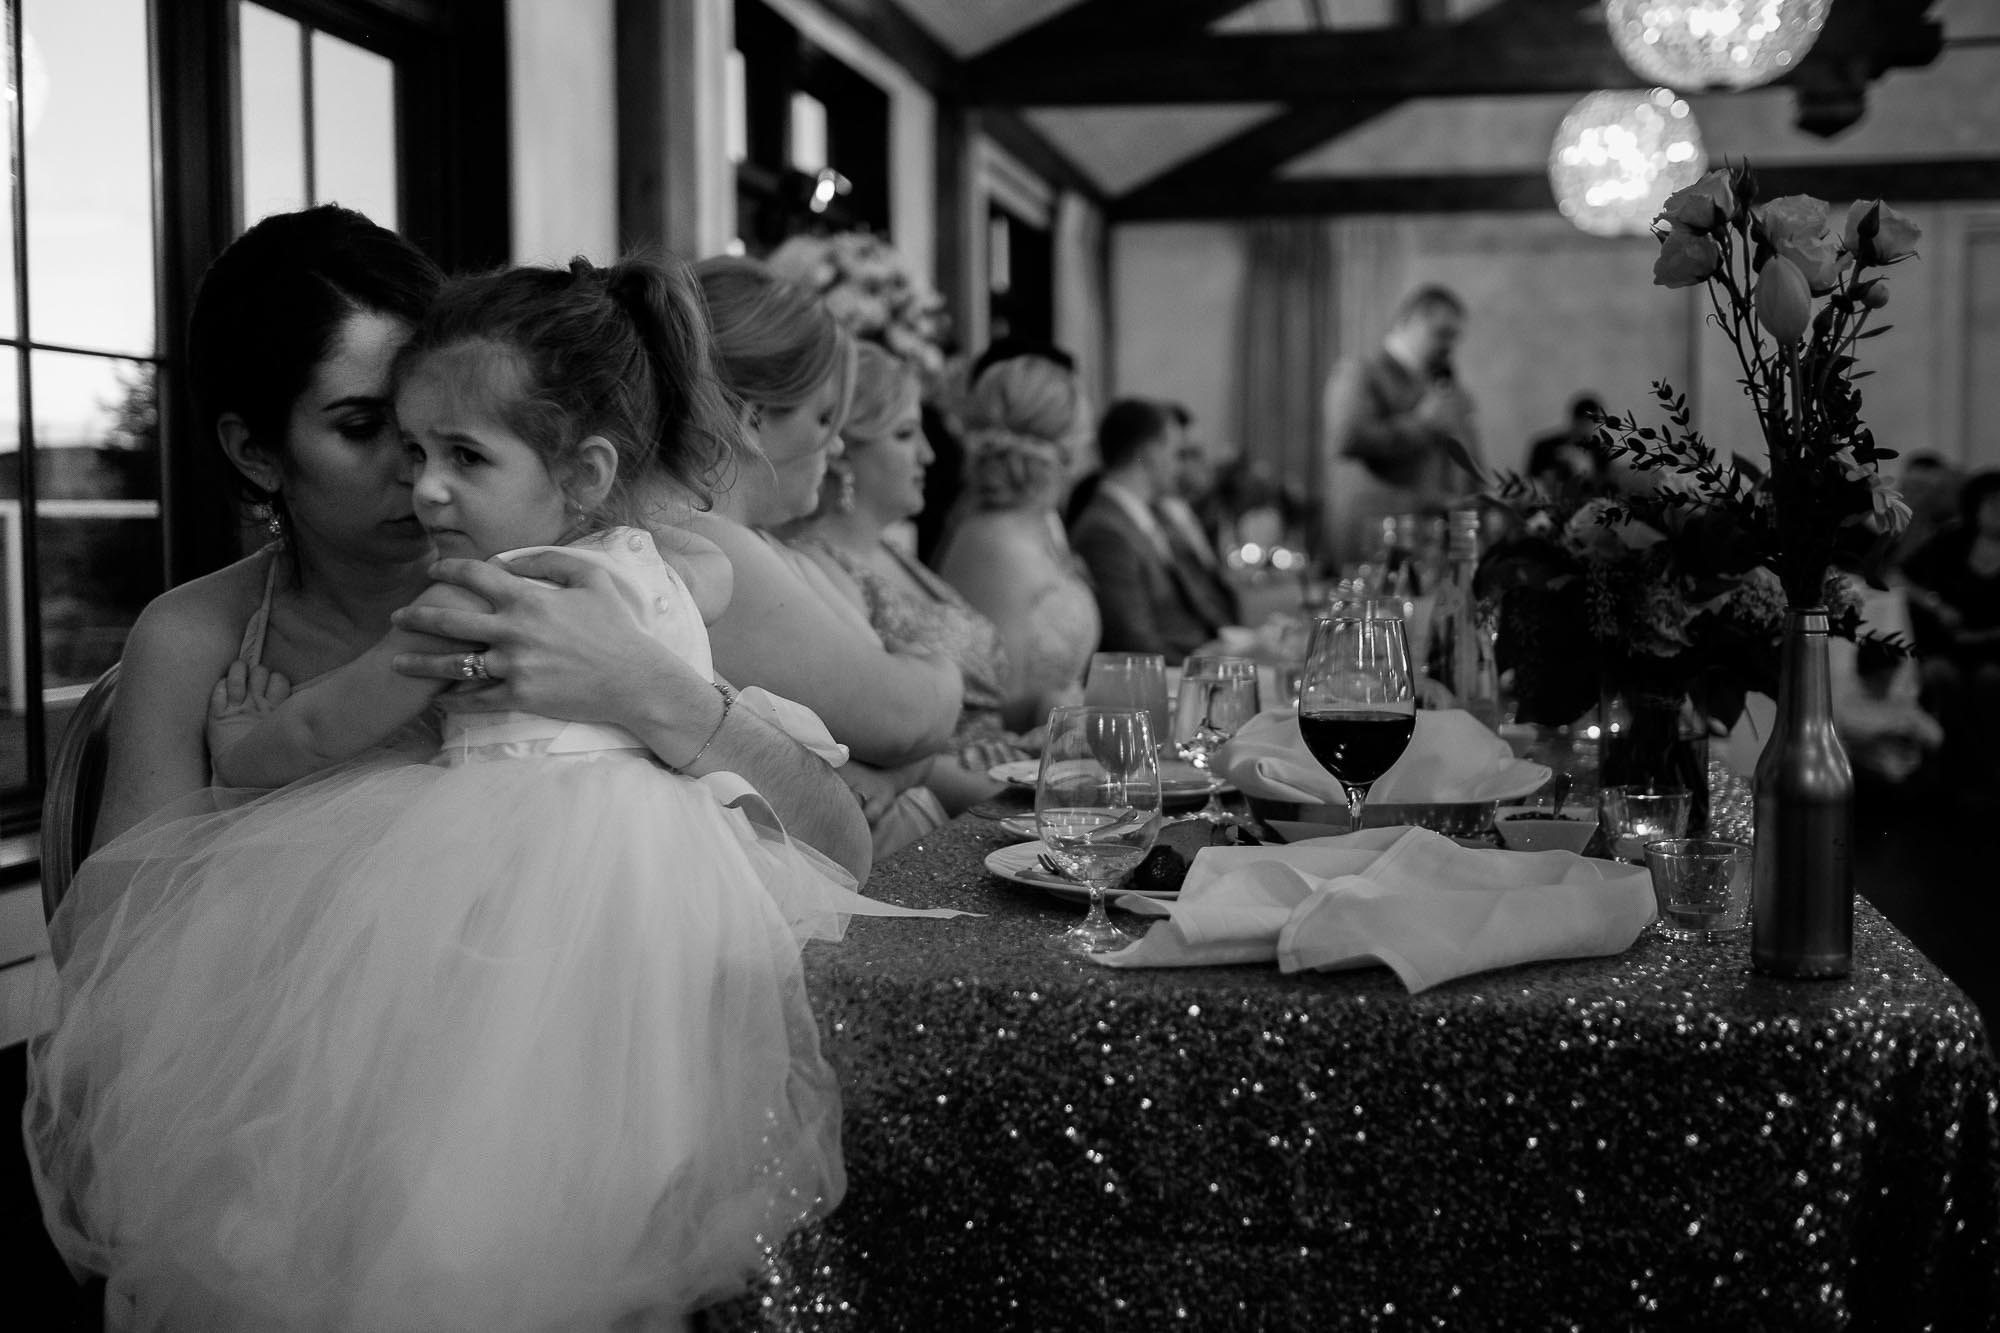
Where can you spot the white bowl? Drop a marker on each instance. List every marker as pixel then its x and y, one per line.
pixel 1530 828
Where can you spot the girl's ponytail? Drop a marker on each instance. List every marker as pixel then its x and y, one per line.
pixel 698 437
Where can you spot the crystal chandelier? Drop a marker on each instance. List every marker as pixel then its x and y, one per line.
pixel 1699 44
pixel 1618 155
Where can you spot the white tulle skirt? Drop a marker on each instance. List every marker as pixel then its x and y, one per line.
pixel 502 1045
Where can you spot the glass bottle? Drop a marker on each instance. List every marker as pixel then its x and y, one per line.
pixel 1459 655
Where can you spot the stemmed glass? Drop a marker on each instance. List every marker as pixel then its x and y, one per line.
pixel 1357 701
pixel 1097 805
pixel 1130 680
pixel 1218 695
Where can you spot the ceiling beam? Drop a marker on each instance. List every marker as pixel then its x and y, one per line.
pixel 1097 27
pixel 1528 191
pixel 1251 156
pixel 1560 49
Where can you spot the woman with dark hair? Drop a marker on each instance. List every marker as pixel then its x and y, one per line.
pixel 294 332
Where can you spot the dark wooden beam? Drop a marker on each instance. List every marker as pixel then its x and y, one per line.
pixel 884 25
pixel 1248 158
pixel 1545 51
pixel 1091 29
pixel 1032 149
pixel 1513 192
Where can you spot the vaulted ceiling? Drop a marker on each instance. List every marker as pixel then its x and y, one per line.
pixel 1225 108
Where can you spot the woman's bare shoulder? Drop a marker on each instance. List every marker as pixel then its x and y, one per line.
pixel 205 615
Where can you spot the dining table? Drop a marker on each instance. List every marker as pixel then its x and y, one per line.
pixel 1660 1139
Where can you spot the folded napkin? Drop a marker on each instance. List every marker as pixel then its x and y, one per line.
pixel 1452 758
pixel 1414 900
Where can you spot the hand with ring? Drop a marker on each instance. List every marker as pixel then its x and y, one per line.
pixel 472 666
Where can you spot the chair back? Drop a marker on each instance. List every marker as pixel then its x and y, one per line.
pixel 76 783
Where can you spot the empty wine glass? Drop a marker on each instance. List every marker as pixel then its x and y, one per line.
pixel 1357 702
pixel 1218 695
pixel 1097 804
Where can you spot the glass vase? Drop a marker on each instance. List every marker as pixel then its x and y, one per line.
pixel 1652 740
pixel 1802 905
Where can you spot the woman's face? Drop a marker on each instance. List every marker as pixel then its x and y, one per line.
pixel 798 441
pixel 344 482
pixel 889 471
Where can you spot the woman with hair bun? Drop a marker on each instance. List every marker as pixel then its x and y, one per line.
pixel 1008 554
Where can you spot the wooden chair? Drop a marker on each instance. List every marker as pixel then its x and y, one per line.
pixel 76 783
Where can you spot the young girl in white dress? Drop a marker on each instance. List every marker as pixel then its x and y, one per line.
pixel 516 1039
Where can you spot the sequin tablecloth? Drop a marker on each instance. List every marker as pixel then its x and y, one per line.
pixel 1658 1140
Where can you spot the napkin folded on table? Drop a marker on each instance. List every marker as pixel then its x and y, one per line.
pixel 1452 757
pixel 1409 898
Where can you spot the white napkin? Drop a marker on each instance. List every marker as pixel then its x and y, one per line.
pixel 1409 898
pixel 1452 757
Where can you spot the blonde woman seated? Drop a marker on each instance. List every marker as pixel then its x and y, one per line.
pixel 1008 555
pixel 876 484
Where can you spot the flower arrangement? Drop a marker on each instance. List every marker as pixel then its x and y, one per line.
pixel 869 289
pixel 1636 596
pixel 1795 298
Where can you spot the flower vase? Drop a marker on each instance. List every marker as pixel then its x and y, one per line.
pixel 1802 904
pixel 1650 741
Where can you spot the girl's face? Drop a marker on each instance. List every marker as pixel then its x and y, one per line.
pixel 342 467
pixel 798 441
pixel 479 488
pixel 889 472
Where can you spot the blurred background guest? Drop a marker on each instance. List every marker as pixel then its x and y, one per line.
pixel 1188 514
pixel 1151 597
pixel 1954 590
pixel 1006 552
pixel 877 482
pixel 1397 426
pixel 1930 487
pixel 1571 456
pixel 787 628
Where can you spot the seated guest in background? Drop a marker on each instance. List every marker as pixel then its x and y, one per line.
pixel 1192 539
pixel 789 372
pixel 1954 583
pixel 879 482
pixel 1930 487
pixel 1150 599
pixel 1572 456
pixel 1007 553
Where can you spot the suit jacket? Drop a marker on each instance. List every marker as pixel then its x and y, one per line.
pixel 1382 459
pixel 1147 601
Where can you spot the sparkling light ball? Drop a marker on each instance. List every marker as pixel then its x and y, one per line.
pixel 1701 44
pixel 1618 155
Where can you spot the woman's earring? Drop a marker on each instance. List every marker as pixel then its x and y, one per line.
pixel 843 480
pixel 268 513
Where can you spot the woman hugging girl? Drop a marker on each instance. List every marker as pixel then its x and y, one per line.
pixel 514 1039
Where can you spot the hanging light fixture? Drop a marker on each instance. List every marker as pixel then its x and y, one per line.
pixel 1618 155
pixel 1700 44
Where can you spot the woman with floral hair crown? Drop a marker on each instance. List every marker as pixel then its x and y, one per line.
pixel 1007 553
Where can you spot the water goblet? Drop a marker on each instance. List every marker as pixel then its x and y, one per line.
pixel 1130 680
pixel 1217 696
pixel 1097 806
pixel 1357 700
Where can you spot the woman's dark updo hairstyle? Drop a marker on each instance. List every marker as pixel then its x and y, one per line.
pixel 619 352
pixel 271 306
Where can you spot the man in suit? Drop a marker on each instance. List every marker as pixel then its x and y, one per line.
pixel 1147 597
pixel 1192 539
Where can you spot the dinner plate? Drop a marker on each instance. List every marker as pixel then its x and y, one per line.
pixel 1179 780
pixel 1018 864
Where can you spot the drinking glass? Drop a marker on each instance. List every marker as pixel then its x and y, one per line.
pixel 1357 701
pixel 1631 817
pixel 1097 804
pixel 1702 886
pixel 1130 680
pixel 1218 695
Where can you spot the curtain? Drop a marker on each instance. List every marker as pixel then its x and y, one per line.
pixel 1285 349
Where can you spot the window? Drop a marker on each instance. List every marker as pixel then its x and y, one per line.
pixel 80 365
pixel 813 152
pixel 140 136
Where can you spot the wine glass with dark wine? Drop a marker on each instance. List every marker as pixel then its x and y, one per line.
pixel 1357 699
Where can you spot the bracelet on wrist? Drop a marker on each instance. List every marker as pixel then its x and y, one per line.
pixel 728 702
